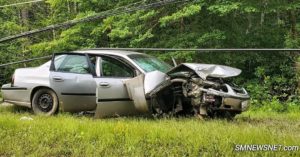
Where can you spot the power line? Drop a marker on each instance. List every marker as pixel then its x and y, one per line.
pixel 125 9
pixel 21 3
pixel 170 49
pixel 202 49
pixel 25 61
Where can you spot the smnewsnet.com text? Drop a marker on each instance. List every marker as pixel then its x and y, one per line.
pixel 264 147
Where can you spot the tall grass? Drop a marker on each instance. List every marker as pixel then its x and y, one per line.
pixel 72 135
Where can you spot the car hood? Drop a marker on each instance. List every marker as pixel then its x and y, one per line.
pixel 205 70
pixel 139 87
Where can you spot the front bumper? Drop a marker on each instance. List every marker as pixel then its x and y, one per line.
pixel 235 104
pixel 232 99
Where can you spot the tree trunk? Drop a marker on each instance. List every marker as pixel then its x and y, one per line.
pixel 298 75
pixel 69 8
pixel 75 7
pixel 24 17
pixel 293 21
pixel 262 14
pixel 249 23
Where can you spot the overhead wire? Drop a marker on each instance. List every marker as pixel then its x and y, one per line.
pixel 21 3
pixel 200 49
pixel 117 11
pixel 120 10
pixel 25 61
pixel 168 50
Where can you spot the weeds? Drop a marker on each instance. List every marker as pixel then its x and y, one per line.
pixel 69 135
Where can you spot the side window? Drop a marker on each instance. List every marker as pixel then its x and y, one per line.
pixel 114 68
pixel 72 63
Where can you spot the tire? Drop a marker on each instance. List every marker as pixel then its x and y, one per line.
pixel 45 102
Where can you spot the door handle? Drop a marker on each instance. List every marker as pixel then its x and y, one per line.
pixel 104 84
pixel 58 79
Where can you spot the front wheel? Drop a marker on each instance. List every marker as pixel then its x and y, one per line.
pixel 45 102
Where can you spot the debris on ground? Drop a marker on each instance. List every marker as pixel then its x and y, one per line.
pixel 26 118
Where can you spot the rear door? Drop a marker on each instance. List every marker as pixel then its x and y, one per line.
pixel 72 79
pixel 112 96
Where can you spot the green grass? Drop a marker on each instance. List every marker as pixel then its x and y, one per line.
pixel 72 135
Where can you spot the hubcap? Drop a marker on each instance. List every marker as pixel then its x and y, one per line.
pixel 45 102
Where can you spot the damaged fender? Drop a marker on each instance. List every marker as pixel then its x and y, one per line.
pixel 141 86
pixel 189 88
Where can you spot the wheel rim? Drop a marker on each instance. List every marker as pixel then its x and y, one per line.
pixel 45 102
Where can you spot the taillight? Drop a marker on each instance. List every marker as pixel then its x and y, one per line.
pixel 12 80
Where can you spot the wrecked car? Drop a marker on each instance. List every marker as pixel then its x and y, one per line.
pixel 112 82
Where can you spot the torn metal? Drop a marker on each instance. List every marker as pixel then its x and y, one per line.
pixel 205 70
pixel 189 89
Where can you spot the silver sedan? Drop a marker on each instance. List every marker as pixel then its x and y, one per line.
pixel 125 83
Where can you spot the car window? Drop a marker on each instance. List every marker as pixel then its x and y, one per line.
pixel 58 60
pixel 72 63
pixel 148 63
pixel 114 68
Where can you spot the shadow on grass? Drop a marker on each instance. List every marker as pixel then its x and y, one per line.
pixel 247 117
pixel 9 108
pixel 6 108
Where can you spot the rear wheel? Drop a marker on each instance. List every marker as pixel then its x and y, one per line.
pixel 45 102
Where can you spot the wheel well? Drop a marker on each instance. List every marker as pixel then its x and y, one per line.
pixel 34 90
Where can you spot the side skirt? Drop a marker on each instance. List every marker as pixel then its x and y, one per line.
pixel 25 104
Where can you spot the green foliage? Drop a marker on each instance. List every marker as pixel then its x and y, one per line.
pixel 269 77
pixel 292 43
pixel 274 105
pixel 212 39
pixel 225 7
pixel 185 12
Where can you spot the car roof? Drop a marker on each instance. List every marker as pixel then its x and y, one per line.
pixel 121 53
pixel 108 52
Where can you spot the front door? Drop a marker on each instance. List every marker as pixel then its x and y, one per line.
pixel 72 80
pixel 112 96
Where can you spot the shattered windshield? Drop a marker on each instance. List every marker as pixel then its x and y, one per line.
pixel 149 63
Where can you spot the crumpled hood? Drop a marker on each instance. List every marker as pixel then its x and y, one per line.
pixel 205 70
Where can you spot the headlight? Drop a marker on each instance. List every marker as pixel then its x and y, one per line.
pixel 245 105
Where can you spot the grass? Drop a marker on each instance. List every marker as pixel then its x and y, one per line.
pixel 73 135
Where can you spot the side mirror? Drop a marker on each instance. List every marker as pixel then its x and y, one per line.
pixel 174 62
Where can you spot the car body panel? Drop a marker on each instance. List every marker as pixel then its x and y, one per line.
pixel 76 91
pixel 139 87
pixel 110 96
pixel 152 80
pixel 205 70
pixel 26 80
pixel 9 94
pixel 136 92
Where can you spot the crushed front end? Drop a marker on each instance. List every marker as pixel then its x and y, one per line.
pixel 199 89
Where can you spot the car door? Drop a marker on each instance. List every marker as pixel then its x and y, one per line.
pixel 112 95
pixel 71 77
